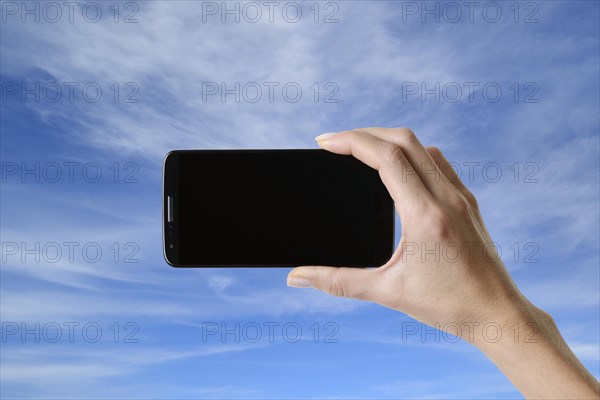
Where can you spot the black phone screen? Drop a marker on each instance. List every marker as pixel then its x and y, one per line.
pixel 279 208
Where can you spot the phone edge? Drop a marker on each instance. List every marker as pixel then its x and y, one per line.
pixel 175 264
pixel 171 263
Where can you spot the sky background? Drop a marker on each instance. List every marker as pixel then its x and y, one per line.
pixel 142 75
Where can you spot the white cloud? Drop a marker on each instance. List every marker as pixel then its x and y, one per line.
pixel 65 371
pixel 220 283
pixel 170 52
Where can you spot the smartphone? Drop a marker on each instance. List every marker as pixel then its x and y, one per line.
pixel 274 208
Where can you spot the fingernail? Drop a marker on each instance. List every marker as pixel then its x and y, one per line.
pixel 325 136
pixel 298 282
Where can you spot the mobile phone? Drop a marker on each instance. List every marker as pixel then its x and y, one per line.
pixel 274 208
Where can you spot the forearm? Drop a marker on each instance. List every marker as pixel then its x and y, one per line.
pixel 534 356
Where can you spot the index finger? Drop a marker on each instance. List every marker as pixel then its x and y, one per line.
pixel 396 172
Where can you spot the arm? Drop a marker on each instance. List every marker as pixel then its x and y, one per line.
pixel 469 293
pixel 540 365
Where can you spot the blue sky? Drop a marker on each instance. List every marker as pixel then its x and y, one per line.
pixel 367 64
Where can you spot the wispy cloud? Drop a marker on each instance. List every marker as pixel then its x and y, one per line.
pixel 64 371
pixel 369 54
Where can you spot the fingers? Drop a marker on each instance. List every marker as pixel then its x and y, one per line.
pixel 450 173
pixel 397 173
pixel 357 283
pixel 421 160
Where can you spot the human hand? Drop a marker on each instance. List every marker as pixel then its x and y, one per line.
pixel 445 271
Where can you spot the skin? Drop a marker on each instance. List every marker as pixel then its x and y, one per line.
pixel 445 272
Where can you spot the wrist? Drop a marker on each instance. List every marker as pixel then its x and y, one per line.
pixel 514 322
pixel 531 350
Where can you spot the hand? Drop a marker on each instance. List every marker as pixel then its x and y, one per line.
pixel 445 271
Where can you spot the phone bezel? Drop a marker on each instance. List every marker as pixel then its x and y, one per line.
pixel 170 188
pixel 170 229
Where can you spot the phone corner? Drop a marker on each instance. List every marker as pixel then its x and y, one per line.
pixel 169 154
pixel 169 262
pixel 169 157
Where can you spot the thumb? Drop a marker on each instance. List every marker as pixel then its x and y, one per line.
pixel 358 283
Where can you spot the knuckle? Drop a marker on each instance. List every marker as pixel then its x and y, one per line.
pixel 354 133
pixel 391 154
pixel 434 151
pixel 459 204
pixel 406 135
pixel 470 197
pixel 336 285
